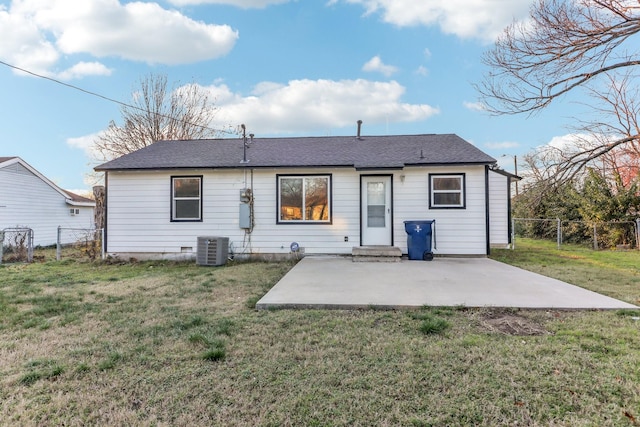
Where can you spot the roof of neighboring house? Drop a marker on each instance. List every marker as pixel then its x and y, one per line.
pixel 70 198
pixel 77 199
pixel 366 152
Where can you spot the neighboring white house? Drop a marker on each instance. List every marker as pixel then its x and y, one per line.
pixel 327 194
pixel 28 199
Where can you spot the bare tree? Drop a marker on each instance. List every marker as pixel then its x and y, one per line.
pixel 566 46
pixel 158 113
pixel 607 140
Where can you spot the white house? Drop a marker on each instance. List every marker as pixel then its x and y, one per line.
pixel 30 200
pixel 327 194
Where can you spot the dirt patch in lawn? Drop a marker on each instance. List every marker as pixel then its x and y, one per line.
pixel 512 323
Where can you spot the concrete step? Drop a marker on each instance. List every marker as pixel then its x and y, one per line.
pixel 376 254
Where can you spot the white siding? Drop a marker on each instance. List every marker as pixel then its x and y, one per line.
pixel 458 231
pixel 499 209
pixel 27 201
pixel 138 213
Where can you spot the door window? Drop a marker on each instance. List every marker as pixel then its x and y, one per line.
pixel 376 205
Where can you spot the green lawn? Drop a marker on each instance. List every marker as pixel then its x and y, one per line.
pixel 175 344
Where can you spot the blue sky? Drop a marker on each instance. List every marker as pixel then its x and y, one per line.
pixel 281 67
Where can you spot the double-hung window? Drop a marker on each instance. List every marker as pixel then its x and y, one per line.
pixel 446 191
pixel 186 198
pixel 304 199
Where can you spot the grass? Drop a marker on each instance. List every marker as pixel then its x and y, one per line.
pixel 153 343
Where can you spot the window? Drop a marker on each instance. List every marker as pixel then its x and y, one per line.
pixel 376 205
pixel 446 191
pixel 186 198
pixel 304 199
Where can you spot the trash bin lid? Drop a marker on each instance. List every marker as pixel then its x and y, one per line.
pixel 418 226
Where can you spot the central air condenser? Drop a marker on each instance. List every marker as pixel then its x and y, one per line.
pixel 212 250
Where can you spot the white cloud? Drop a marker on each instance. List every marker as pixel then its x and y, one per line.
pixel 569 141
pixel 84 143
pixel 422 71
pixel 427 53
pixel 375 64
pixel 244 4
pixel 501 145
pixel 474 106
pixel 23 45
pixel 315 105
pixel 36 33
pixel 82 69
pixel 481 19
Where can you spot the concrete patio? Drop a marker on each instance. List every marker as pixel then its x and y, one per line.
pixel 337 282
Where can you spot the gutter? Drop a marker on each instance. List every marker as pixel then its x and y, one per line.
pixel 83 204
pixel 72 202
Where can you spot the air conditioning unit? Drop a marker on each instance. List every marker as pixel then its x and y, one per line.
pixel 212 250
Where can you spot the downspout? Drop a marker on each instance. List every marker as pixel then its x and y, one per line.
pixel 106 210
pixel 360 209
pixel 509 227
pixel 486 201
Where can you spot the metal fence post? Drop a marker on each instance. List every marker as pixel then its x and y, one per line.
pixel 595 236
pixel 559 232
pixel 1 244
pixel 513 234
pixel 638 233
pixel 30 245
pixel 58 246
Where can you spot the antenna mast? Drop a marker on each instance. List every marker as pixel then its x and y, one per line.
pixel 244 144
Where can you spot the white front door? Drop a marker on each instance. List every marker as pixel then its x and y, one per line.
pixel 376 222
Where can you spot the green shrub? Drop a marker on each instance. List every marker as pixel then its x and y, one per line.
pixel 214 354
pixel 434 325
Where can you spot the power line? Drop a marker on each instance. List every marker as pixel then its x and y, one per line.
pixel 124 104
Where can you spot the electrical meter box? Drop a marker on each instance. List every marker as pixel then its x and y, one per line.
pixel 245 195
pixel 244 219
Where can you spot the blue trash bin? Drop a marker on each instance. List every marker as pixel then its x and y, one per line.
pixel 419 239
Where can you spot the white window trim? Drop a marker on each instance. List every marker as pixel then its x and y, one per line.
pixel 304 221
pixel 433 191
pixel 175 199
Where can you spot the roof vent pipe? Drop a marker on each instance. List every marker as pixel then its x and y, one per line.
pixel 359 127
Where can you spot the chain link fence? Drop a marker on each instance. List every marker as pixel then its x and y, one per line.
pixel 16 245
pixel 597 235
pixel 540 228
pixel 79 243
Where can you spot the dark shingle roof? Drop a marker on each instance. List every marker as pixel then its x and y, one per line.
pixel 367 152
